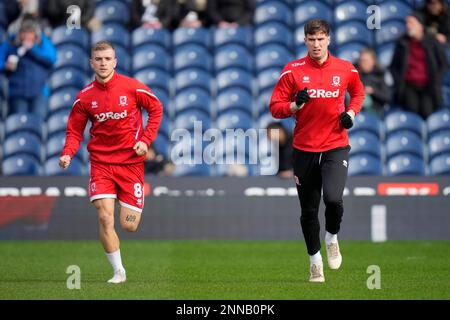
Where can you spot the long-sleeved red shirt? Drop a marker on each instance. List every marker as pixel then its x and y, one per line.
pixel 317 126
pixel 114 108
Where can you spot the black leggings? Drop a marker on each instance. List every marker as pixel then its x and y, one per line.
pixel 314 171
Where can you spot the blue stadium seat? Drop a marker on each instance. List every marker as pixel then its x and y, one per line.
pixel 163 97
pixel 57 122
pixel 62 35
pixel 267 79
pixel 67 77
pixel 71 55
pixel 123 61
pixel 233 56
pixel 52 168
pixel 440 165
pixel 350 51
pixel 234 78
pixel 190 36
pixel 55 144
pixel 366 143
pixel 234 119
pixel 242 35
pixel 22 143
pixel 187 170
pixel 190 78
pixel 439 144
pixel 367 122
pixel 404 142
pixel 364 164
pixel 310 9
pixel 385 53
pixel 234 98
pixel 353 32
pixel 193 98
pixel 154 78
pixel 164 127
pixel 162 146
pixel 263 100
pixel 150 36
pixel 404 120
pixel 273 33
pixel 23 122
pixel 112 11
pixel 21 165
pixel 394 10
pixel 405 165
pixel 273 56
pixel 192 56
pixel 61 99
pixel 273 11
pixel 350 11
pixel 191 119
pixel 112 32
pixel 151 56
pixel 301 51
pixel 390 32
pixel 266 118
pixel 438 122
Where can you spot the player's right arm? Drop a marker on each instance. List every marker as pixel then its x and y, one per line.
pixel 74 133
pixel 281 104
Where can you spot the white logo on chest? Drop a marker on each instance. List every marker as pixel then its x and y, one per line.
pixel 94 104
pixel 123 101
pixel 336 81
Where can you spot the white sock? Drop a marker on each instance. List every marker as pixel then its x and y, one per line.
pixel 315 258
pixel 330 238
pixel 116 260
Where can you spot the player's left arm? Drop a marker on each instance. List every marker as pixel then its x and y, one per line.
pixel 147 99
pixel 355 89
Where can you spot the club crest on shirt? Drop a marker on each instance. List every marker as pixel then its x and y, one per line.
pixel 123 101
pixel 336 81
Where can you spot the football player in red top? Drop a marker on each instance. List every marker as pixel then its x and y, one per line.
pixel 118 144
pixel 312 90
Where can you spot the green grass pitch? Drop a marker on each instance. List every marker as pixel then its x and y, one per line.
pixel 225 270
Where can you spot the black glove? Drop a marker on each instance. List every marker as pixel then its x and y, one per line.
pixel 346 120
pixel 302 97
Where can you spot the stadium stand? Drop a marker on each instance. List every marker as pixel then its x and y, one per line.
pixel 224 77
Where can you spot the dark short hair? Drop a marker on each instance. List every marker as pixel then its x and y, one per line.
pixel 317 25
pixel 102 45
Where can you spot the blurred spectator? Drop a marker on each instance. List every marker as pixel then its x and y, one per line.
pixel 275 130
pixel 57 15
pixel 29 9
pixel 231 13
pixel 155 163
pixel 169 14
pixel 237 170
pixel 27 59
pixel 10 11
pixel 418 67
pixel 437 19
pixel 372 76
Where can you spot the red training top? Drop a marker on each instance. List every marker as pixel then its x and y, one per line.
pixel 318 128
pixel 114 108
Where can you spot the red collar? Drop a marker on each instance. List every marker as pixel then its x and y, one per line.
pixel 109 84
pixel 314 63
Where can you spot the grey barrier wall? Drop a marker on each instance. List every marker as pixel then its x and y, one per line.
pixel 376 208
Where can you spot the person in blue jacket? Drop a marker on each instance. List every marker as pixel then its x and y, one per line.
pixel 27 59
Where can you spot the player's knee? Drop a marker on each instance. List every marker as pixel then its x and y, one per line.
pixel 106 220
pixel 334 202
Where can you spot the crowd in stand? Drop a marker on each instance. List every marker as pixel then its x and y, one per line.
pixel 418 67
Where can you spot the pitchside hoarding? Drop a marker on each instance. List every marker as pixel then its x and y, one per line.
pixel 228 208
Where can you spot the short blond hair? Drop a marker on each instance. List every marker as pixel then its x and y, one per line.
pixel 102 45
